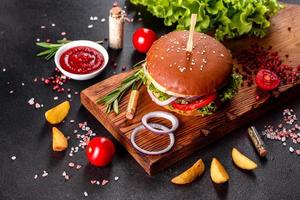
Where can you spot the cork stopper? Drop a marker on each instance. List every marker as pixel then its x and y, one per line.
pixel 116 12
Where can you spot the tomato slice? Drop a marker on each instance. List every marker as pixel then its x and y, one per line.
pixel 204 101
pixel 267 80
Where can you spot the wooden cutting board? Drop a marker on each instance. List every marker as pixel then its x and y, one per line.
pixel 196 132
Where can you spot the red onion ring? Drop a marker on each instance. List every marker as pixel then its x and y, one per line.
pixel 161 103
pixel 157 127
pixel 160 114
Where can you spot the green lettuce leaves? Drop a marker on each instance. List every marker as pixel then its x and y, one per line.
pixel 228 18
pixel 231 89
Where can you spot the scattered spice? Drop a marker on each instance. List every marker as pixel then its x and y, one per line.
pixel 257 57
pixel 13 158
pixel 288 129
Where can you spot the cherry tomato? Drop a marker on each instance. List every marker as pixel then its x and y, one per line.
pixel 100 151
pixel 195 104
pixel 142 39
pixel 267 80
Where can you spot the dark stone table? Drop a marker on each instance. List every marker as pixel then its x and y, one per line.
pixel 26 135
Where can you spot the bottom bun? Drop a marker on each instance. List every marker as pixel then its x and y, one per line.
pixel 185 113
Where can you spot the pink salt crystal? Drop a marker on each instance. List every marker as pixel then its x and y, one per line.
pixel 71 164
pixel 298 151
pixel 104 182
pixel 78 166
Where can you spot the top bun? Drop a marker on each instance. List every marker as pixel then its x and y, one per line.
pixel 177 72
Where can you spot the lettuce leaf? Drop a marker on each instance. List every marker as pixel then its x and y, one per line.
pixel 228 18
pixel 208 110
pixel 232 88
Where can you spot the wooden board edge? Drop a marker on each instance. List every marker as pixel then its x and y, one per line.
pixel 90 106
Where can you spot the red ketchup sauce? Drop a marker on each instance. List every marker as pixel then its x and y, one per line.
pixel 81 60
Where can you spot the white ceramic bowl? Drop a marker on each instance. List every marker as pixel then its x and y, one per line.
pixel 77 43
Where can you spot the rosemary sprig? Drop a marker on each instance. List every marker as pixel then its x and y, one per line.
pixel 112 99
pixel 53 47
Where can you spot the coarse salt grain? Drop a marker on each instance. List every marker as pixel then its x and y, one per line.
pixel 85 194
pixel 4 70
pixel 31 101
pixel 291 149
pixel 78 166
pixel 23 84
pixel 35 176
pixel 63 33
pixel 52 24
pixel 38 39
pixel 42 27
pixel 71 164
pixel 116 178
pixel 37 105
pixel 44 174
pixel 13 158
pixel 55 98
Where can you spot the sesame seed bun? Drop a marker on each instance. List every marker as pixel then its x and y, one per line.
pixel 176 72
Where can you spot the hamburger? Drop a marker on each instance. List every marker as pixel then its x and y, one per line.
pixel 190 83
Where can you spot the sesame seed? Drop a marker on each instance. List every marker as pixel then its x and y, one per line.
pixel 35 176
pixel 38 39
pixel 222 55
pixel 55 98
pixel 52 24
pixel 90 26
pixel 42 27
pixel 116 178
pixel 291 149
pixel 103 20
pixel 4 70
pixel 13 158
pixel 63 33
pixel 10 92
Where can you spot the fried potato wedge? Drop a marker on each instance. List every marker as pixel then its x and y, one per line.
pixel 59 141
pixel 218 173
pixel 242 161
pixel 58 113
pixel 190 174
